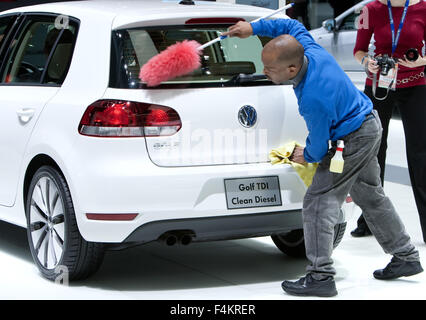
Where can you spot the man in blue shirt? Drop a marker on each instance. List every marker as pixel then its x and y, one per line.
pixel 333 109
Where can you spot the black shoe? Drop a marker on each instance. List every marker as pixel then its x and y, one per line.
pixel 308 286
pixel 398 268
pixel 361 231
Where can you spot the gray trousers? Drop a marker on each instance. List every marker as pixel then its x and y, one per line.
pixel 361 179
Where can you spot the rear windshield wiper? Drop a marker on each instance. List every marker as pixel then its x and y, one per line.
pixel 243 78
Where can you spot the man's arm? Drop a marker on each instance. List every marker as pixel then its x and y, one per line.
pixel 276 27
pixel 273 28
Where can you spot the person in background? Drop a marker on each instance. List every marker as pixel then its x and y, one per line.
pixel 409 30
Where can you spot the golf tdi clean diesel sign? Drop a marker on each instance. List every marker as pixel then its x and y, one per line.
pixel 252 192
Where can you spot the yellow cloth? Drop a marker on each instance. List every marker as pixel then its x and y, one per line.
pixel 281 155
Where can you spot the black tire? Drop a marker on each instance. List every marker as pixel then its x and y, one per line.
pixel 293 242
pixel 77 258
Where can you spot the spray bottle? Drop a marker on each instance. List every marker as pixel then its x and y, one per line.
pixel 337 162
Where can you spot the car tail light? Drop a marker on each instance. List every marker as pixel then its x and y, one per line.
pixel 115 118
pixel 213 20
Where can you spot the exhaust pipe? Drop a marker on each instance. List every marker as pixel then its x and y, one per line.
pixel 182 237
pixel 168 238
pixel 185 239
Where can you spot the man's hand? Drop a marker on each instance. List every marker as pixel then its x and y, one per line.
pixel 242 30
pixel 297 155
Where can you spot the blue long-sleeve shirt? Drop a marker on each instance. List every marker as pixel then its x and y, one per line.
pixel 329 102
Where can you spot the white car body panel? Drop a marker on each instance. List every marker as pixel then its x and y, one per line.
pixel 178 15
pixel 18 121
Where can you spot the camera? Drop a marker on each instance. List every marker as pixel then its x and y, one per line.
pixel 412 54
pixel 385 64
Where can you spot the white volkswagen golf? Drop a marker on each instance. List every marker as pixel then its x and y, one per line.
pixel 93 159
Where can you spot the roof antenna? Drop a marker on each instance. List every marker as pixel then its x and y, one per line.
pixel 191 2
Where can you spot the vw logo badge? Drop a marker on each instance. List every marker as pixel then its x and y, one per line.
pixel 247 116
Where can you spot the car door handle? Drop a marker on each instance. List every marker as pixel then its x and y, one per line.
pixel 25 115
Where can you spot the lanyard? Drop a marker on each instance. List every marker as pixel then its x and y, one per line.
pixel 395 40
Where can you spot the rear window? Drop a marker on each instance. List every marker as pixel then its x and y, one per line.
pixel 221 63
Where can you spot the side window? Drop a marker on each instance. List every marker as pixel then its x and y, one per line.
pixel 348 22
pixel 5 24
pixel 41 53
pixel 61 54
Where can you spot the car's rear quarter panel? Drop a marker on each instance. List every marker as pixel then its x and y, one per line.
pixel 87 79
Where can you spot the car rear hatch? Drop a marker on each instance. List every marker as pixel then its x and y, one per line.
pixel 226 112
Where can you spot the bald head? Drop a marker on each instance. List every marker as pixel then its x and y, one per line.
pixel 282 58
pixel 285 49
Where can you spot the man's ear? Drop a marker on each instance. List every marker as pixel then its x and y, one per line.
pixel 292 68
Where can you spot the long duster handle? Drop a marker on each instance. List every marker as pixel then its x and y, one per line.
pixel 264 17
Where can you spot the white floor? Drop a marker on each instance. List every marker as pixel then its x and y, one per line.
pixel 239 269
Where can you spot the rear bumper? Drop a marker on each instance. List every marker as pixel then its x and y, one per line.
pixel 222 228
pixel 108 180
pixel 189 198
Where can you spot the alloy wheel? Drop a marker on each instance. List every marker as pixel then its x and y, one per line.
pixel 47 223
